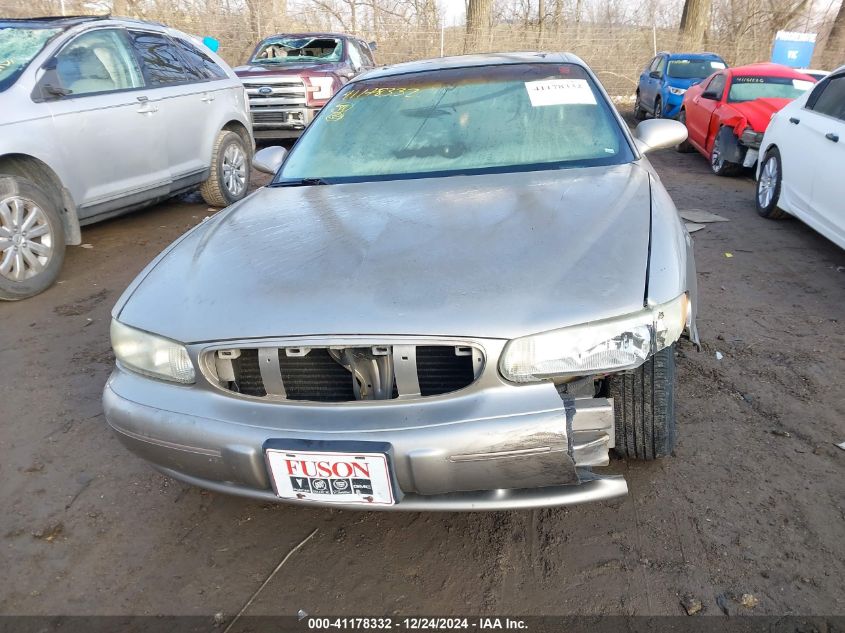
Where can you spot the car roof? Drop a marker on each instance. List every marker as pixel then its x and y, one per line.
pixel 315 34
pixel 765 68
pixel 472 61
pixel 704 55
pixel 67 22
pixel 64 21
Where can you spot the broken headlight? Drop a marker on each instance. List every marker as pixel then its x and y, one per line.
pixel 150 354
pixel 751 138
pixel 605 346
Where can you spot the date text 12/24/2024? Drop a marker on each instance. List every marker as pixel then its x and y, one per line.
pixel 417 623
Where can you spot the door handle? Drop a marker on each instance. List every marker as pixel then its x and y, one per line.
pixel 146 106
pixel 206 98
pixel 830 136
pixel 794 121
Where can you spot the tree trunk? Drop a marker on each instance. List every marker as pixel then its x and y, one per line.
pixel 479 13
pixel 834 48
pixel 695 20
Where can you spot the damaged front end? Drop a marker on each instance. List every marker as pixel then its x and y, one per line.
pixel 457 437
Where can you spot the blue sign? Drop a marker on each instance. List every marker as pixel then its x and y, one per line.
pixel 793 49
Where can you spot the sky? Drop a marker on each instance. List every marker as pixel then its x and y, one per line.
pixel 453 11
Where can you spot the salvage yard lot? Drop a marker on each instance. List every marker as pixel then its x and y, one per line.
pixel 753 501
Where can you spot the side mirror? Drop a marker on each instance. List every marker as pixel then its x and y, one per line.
pixel 654 74
pixel 373 46
pixel 655 134
pixel 709 94
pixel 269 159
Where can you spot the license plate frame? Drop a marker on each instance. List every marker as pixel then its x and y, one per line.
pixel 349 473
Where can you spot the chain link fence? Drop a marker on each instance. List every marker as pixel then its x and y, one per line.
pixel 617 54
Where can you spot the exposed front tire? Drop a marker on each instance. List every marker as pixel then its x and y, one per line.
pixel 658 108
pixel 718 164
pixel 768 186
pixel 32 239
pixel 639 113
pixel 228 181
pixel 644 408
pixel 685 147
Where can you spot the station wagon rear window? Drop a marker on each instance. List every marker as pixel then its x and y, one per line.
pixel 747 88
pixel 18 46
pixel 514 117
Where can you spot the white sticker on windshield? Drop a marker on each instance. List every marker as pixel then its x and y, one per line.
pixel 802 84
pixel 559 92
pixel 718 65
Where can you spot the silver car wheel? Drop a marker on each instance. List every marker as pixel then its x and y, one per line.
pixel 26 240
pixel 716 160
pixel 768 182
pixel 234 170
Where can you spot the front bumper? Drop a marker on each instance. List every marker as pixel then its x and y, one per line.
pixel 281 122
pixel 672 105
pixel 499 448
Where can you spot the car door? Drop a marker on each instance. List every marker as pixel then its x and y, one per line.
pixel 703 105
pixel 182 102
pixel 107 128
pixel 210 93
pixel 651 84
pixel 824 122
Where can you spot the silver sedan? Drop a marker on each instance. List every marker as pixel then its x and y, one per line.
pixel 461 291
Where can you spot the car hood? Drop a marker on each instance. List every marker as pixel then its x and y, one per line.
pixel 490 256
pixel 758 113
pixel 287 68
pixel 680 82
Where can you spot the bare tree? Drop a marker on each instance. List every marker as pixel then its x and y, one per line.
pixel 479 14
pixel 695 20
pixel 834 49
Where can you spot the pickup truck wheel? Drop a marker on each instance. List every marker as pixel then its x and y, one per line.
pixel 718 164
pixel 768 187
pixel 685 147
pixel 639 113
pixel 644 408
pixel 32 239
pixel 230 166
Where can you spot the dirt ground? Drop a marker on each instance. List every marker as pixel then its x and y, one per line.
pixel 752 501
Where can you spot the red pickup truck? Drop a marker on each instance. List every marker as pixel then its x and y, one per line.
pixel 289 77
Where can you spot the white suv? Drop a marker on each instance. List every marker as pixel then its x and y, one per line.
pixel 100 116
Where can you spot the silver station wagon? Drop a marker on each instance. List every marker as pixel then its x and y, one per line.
pixel 462 290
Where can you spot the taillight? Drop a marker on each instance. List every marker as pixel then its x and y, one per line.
pixel 319 89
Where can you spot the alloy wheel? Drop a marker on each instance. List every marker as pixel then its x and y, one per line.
pixel 234 170
pixel 26 240
pixel 716 159
pixel 767 183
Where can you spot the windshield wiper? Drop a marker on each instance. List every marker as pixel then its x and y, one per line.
pixel 302 182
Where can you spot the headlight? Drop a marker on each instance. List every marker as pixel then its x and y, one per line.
pixel 151 355
pixel 321 88
pixel 604 346
pixel 676 91
pixel 751 138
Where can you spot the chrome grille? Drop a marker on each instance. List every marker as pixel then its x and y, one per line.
pixel 344 374
pixel 275 107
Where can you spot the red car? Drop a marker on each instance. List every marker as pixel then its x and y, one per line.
pixel 727 113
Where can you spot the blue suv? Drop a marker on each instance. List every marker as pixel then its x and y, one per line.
pixel 666 79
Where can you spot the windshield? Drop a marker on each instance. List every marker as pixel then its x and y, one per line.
pixel 515 117
pixel 749 88
pixel 298 49
pixel 693 68
pixel 18 46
